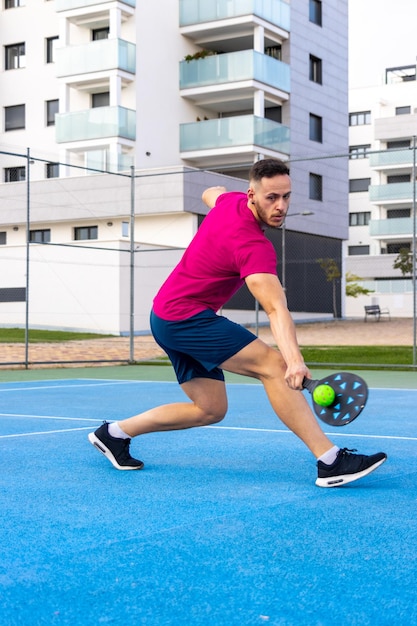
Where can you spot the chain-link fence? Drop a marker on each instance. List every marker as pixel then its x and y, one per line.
pixel 84 251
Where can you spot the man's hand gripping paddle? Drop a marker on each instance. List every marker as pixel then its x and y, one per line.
pixel 342 407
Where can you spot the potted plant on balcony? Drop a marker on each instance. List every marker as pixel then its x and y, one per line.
pixel 201 54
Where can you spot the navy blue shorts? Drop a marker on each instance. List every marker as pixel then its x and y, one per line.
pixel 198 345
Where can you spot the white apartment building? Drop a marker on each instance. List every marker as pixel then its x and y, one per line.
pixel 120 112
pixel 383 124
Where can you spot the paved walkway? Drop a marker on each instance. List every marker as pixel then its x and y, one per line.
pixel 117 349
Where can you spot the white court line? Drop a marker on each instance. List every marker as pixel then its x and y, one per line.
pixel 276 430
pixel 42 387
pixel 45 432
pixel 51 417
pixel 238 428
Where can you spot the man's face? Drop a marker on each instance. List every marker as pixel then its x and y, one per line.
pixel 269 199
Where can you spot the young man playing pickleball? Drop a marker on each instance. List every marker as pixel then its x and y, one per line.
pixel 231 249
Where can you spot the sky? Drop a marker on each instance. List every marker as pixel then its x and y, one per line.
pixel 381 35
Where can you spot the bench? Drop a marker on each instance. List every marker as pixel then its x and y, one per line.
pixel 374 310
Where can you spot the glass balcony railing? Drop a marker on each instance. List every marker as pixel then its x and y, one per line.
pixel 391 227
pixel 232 132
pixel 391 157
pixel 68 5
pixel 97 123
pixel 391 192
pixel 233 67
pixel 275 12
pixel 96 56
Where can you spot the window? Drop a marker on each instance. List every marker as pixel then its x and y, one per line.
pixel 52 170
pixel 359 219
pixel 52 108
pixel 359 184
pixel 315 12
pixel 316 187
pixel 100 33
pixel 360 119
pixel 315 69
pixel 15 56
pixel 400 74
pixel 401 143
pixel 394 248
pixel 14 117
pixel 274 113
pixel 316 128
pixel 403 110
pixel 14 174
pixel 100 99
pixel 40 236
pixel 274 51
pixel 398 178
pixel 3 238
pixel 398 213
pixel 354 250
pixel 85 232
pixel 125 229
pixel 359 152
pixel 50 49
pixel 13 294
pixel 11 4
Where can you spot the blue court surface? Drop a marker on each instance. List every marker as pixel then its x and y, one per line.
pixel 223 527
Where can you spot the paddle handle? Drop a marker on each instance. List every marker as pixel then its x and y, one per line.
pixel 310 384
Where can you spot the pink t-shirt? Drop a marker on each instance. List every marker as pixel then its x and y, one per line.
pixel 229 246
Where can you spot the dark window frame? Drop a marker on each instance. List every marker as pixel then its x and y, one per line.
pixel 14 117
pixel 315 69
pixel 315 12
pixel 40 235
pixel 14 174
pixel 315 183
pixel 359 185
pixel 84 233
pixel 15 56
pixel 50 49
pixel 315 128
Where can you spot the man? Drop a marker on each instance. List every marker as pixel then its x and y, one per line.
pixel 230 249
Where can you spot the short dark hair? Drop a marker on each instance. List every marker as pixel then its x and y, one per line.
pixel 268 168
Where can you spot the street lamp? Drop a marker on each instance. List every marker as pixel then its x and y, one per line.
pixel 283 251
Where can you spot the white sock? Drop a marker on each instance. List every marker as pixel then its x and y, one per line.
pixel 116 431
pixel 329 457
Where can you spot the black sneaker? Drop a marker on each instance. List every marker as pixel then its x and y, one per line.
pixel 347 467
pixel 115 449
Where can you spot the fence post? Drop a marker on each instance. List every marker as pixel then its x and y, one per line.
pixel 414 252
pixel 132 266
pixel 27 257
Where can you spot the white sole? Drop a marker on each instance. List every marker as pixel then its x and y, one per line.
pixel 99 445
pixel 344 479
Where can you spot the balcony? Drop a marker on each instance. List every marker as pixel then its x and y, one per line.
pixel 395 128
pixel 383 229
pixel 98 123
pixel 238 138
pixel 391 159
pixel 233 76
pixel 193 12
pixel 391 194
pixel 96 56
pixel 69 5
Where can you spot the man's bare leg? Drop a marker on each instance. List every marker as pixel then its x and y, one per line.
pixel 208 405
pixel 266 364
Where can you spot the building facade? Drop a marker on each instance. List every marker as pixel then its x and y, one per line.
pixel 116 102
pixel 382 131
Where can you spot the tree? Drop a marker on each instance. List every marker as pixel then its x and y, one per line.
pixel 404 262
pixel 332 272
pixel 353 289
